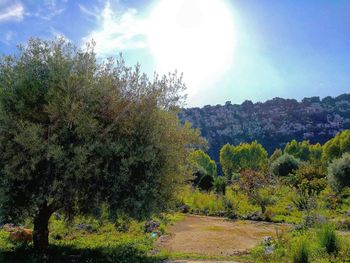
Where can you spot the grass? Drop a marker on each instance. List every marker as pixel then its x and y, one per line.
pixel 125 241
pixel 104 243
pixel 323 243
pixel 329 239
pixel 183 256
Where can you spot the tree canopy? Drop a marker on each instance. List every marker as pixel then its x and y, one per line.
pixel 304 150
pixel 285 165
pixel 243 156
pixel 76 133
pixel 337 146
pixel 203 164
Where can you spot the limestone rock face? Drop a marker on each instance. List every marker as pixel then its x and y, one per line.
pixel 272 123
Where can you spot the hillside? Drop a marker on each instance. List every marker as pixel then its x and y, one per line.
pixel 272 123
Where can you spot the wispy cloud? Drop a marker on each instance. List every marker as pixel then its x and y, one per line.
pixel 86 11
pixel 11 11
pixel 49 10
pixel 117 30
pixel 7 37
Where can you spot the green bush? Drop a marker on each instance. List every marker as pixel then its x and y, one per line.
pixel 309 179
pixel 339 172
pixel 328 239
pixel 219 185
pixel 285 165
pixel 205 182
pixel 301 253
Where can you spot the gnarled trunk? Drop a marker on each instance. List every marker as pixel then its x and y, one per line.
pixel 41 229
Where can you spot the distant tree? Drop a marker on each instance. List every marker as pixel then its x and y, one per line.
pixel 75 133
pixel 339 172
pixel 336 147
pixel 304 151
pixel 243 156
pixel 285 165
pixel 203 164
pixel 275 155
pixel 252 183
pixel 309 179
pixel 227 160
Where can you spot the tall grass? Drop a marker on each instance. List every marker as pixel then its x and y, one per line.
pixel 328 239
pixel 301 253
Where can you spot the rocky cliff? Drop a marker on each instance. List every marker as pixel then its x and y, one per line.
pixel 272 123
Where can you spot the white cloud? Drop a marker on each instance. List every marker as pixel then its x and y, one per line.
pixel 117 31
pixel 11 12
pixel 7 37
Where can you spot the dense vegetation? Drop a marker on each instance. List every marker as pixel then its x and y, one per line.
pixel 304 184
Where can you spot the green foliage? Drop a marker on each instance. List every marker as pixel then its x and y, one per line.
pixel 339 172
pixel 328 239
pixel 226 160
pixel 75 133
pixel 304 150
pixel 219 185
pixel 106 244
pixel 203 164
pixel 336 147
pixel 204 170
pixel 202 202
pixel 301 253
pixel 275 155
pixel 309 179
pixel 285 165
pixel 243 156
pixel 252 183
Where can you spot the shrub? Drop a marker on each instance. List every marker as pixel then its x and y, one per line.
pixel 219 185
pixel 301 253
pixel 285 165
pixel 309 179
pixel 339 172
pixel 252 183
pixel 328 239
pixel 206 183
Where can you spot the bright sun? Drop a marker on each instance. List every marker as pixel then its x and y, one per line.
pixel 195 37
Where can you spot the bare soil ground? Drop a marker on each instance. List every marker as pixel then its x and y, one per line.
pixel 213 236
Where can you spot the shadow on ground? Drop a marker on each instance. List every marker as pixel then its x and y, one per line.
pixel 66 254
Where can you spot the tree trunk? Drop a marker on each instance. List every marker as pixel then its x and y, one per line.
pixel 41 229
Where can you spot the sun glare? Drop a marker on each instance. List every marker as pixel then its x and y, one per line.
pixel 195 37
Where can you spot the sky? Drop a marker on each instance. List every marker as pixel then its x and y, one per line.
pixel 227 50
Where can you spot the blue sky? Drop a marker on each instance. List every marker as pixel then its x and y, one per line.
pixel 228 50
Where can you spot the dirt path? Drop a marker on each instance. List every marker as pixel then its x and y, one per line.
pixel 213 236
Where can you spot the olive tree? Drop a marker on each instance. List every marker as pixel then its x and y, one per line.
pixel 76 133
